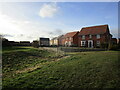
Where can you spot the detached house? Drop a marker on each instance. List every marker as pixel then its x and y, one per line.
pixel 93 36
pixel 70 39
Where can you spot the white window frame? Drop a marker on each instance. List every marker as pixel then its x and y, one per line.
pixel 83 36
pixel 90 36
pixel 98 36
pixel 98 43
pixel 70 38
pixel 83 42
pixel 66 43
pixel 69 43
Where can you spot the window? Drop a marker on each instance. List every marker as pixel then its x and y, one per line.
pixel 69 43
pixel 98 43
pixel 83 37
pixel 90 36
pixel 66 43
pixel 98 36
pixel 82 43
pixel 67 38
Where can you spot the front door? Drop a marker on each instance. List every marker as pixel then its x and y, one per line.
pixel 90 43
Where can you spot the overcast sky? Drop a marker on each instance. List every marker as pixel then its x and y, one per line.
pixel 31 20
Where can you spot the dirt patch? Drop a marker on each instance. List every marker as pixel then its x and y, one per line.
pixel 29 69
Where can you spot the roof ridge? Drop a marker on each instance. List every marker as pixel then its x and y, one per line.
pixel 96 26
pixel 71 33
pixel 74 31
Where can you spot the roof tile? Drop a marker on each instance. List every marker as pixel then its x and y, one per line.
pixel 94 30
pixel 70 34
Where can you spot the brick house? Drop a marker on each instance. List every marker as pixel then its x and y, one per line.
pixel 70 39
pixel 94 36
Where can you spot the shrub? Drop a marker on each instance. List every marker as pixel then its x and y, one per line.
pixel 74 45
pixel 113 47
pixel 35 44
pixel 104 45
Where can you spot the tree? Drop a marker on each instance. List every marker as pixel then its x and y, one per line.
pixel 3 41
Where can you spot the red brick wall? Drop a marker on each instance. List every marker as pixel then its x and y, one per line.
pixel 67 39
pixel 103 38
pixel 60 40
pixel 63 41
pixel 74 39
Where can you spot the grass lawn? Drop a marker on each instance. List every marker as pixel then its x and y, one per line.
pixel 39 68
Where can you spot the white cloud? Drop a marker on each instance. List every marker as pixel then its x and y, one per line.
pixel 7 24
pixel 12 27
pixel 48 10
pixel 23 30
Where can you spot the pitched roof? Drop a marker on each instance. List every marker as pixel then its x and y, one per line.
pixel 54 38
pixel 101 29
pixel 60 36
pixel 70 34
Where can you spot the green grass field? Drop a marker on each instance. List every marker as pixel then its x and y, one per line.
pixel 26 67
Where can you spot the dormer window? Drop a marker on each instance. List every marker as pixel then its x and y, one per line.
pixel 83 36
pixel 90 36
pixel 98 36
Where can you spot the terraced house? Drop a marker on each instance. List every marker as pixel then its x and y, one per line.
pixel 56 41
pixel 94 36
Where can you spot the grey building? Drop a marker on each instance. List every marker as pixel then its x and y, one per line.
pixel 44 41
